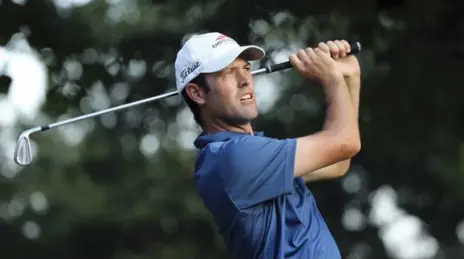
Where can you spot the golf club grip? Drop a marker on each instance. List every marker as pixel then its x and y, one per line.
pixel 355 48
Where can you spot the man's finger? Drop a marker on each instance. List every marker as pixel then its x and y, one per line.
pixel 309 53
pixel 303 56
pixel 322 56
pixel 312 54
pixel 320 52
pixel 341 48
pixel 296 62
pixel 334 51
pixel 347 46
pixel 307 50
pixel 324 47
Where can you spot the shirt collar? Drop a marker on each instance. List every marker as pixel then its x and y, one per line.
pixel 204 139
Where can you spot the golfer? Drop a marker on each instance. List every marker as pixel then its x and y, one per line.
pixel 254 185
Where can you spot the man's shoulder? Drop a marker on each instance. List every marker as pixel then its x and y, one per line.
pixel 224 147
pixel 243 148
pixel 215 157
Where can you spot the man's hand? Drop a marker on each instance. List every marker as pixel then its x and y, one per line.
pixel 339 50
pixel 316 65
pixel 347 64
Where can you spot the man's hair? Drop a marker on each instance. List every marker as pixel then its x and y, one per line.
pixel 194 108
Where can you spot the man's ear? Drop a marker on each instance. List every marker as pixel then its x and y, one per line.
pixel 196 93
pixel 5 83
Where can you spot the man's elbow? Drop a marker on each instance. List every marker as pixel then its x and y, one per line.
pixel 349 147
pixel 343 168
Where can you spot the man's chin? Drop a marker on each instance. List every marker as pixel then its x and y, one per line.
pixel 241 120
pixel 249 116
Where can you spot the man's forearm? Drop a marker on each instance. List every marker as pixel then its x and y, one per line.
pixel 354 87
pixel 339 169
pixel 340 111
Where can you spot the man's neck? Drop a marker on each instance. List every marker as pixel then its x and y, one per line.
pixel 218 126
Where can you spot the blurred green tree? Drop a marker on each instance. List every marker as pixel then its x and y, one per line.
pixel 120 186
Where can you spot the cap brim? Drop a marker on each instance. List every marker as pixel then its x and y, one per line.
pixel 249 53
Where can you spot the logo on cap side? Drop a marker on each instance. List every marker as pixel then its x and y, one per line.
pixel 221 39
pixel 188 70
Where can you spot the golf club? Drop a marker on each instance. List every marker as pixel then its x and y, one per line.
pixel 23 152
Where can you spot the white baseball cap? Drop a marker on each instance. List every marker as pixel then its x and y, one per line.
pixel 208 53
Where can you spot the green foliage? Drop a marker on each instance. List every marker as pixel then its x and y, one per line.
pixel 121 186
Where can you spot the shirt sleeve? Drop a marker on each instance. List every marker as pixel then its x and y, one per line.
pixel 255 169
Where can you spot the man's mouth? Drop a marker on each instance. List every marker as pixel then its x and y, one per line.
pixel 246 97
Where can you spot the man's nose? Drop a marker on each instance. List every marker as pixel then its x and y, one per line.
pixel 244 78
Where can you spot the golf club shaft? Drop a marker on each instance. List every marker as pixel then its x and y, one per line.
pixel 355 48
pixel 117 108
pixel 122 107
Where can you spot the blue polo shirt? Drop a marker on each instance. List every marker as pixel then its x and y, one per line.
pixel 261 209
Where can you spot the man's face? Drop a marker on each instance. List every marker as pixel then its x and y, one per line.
pixel 232 97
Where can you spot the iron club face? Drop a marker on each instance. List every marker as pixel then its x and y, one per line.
pixel 23 152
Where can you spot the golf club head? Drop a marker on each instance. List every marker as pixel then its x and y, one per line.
pixel 23 152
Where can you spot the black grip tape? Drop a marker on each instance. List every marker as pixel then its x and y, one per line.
pixel 277 67
pixel 355 48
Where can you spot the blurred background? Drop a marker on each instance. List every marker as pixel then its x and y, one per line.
pixel 120 186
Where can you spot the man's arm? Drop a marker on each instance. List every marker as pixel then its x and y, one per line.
pixel 351 71
pixel 339 169
pixel 339 138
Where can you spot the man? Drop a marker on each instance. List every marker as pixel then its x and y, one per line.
pixel 255 185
